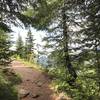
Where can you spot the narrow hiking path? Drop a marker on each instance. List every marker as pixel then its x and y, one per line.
pixel 35 85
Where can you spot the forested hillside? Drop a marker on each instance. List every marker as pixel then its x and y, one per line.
pixel 72 42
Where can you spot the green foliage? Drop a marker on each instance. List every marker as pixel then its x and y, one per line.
pixel 29 47
pixel 12 11
pixel 4 27
pixel 20 47
pixel 60 18
pixel 7 85
pixel 80 46
pixel 86 85
pixel 30 64
pixel 26 51
pixel 5 52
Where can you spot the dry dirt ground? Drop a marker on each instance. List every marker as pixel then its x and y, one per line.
pixel 35 85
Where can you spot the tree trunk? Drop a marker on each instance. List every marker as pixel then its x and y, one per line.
pixel 68 64
pixel 97 64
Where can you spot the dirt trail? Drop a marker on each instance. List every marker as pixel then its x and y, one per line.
pixel 33 81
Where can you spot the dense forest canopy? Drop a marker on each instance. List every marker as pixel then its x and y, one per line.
pixel 12 13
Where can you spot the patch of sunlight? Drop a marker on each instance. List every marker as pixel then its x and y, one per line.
pixel 30 64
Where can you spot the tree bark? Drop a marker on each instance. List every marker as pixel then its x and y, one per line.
pixel 68 64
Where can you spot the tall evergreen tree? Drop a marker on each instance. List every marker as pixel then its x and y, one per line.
pixel 20 46
pixel 5 45
pixel 90 40
pixel 56 17
pixel 29 46
pixel 60 17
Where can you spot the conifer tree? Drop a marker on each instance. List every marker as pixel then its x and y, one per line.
pixel 90 39
pixel 5 52
pixel 29 46
pixel 20 46
pixel 59 18
pixel 56 17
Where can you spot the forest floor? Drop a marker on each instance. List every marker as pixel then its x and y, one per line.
pixel 35 84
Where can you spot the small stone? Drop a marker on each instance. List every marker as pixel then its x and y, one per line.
pixel 12 72
pixel 35 95
pixel 27 80
pixel 23 93
pixel 34 82
pixel 39 84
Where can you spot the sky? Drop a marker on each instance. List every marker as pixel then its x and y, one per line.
pixel 38 35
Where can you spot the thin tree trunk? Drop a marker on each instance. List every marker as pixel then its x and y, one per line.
pixel 68 64
pixel 97 65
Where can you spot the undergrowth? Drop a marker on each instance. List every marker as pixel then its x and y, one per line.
pixel 8 82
